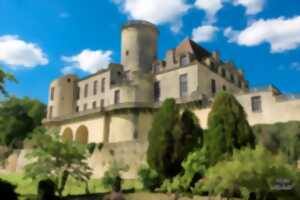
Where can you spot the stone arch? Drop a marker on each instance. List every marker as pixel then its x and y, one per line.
pixel 82 135
pixel 67 135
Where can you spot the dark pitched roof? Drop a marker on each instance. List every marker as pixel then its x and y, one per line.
pixel 187 45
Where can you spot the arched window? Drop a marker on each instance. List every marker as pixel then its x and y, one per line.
pixel 82 134
pixel 67 135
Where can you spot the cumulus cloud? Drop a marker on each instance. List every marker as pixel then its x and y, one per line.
pixel 252 6
pixel 88 60
pixel 210 8
pixel 204 33
pixel 15 52
pixel 156 11
pixel 282 34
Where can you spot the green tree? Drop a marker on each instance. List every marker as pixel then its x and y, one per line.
pixel 228 128
pixel 194 168
pixel 58 160
pixel 248 171
pixel 284 137
pixel 18 118
pixel 171 137
pixel 4 76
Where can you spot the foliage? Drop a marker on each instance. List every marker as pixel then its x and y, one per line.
pixel 171 138
pixel 91 147
pixel 7 190
pixel 4 76
pixel 284 137
pixel 112 175
pixel 18 118
pixel 228 128
pixel 248 171
pixel 148 177
pixel 195 166
pixel 57 160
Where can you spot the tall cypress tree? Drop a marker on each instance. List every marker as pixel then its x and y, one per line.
pixel 228 128
pixel 171 138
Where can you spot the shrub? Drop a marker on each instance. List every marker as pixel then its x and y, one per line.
pixel 248 172
pixel 195 166
pixel 91 147
pixel 7 190
pixel 149 178
pixel 113 175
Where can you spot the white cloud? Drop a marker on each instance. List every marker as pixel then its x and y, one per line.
pixel 156 11
pixel 282 34
pixel 252 6
pixel 18 53
pixel 211 8
pixel 88 61
pixel 231 34
pixel 204 33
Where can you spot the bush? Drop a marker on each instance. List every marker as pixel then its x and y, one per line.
pixel 195 166
pixel 113 175
pixel 248 172
pixel 91 147
pixel 7 190
pixel 149 178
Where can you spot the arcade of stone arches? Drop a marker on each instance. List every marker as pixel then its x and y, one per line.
pixel 80 136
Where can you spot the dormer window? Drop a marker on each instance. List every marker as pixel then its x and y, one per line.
pixel 184 60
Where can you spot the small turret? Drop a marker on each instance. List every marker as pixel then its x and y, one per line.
pixel 62 96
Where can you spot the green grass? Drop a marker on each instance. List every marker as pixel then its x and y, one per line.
pixel 28 187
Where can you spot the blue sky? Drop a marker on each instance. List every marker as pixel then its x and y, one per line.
pixel 42 39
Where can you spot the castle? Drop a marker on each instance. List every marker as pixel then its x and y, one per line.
pixel 115 106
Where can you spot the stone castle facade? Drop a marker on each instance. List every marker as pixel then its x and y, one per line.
pixel 115 106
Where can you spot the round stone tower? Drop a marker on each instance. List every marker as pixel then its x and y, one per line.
pixel 139 46
pixel 62 96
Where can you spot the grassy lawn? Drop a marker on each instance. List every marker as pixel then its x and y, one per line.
pixel 29 187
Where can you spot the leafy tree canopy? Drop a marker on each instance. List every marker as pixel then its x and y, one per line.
pixel 171 138
pixel 284 137
pixel 228 127
pixel 4 76
pixel 250 171
pixel 58 160
pixel 18 118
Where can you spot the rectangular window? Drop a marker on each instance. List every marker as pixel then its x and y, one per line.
pixel 184 60
pixel 183 85
pixel 86 90
pixel 256 104
pixel 102 103
pixel 95 88
pixel 52 93
pixel 78 93
pixel 94 104
pixel 85 106
pixel 213 87
pixel 103 85
pixel 156 91
pixel 77 108
pixel 117 96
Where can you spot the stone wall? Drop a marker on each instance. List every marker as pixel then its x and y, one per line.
pixel 131 154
